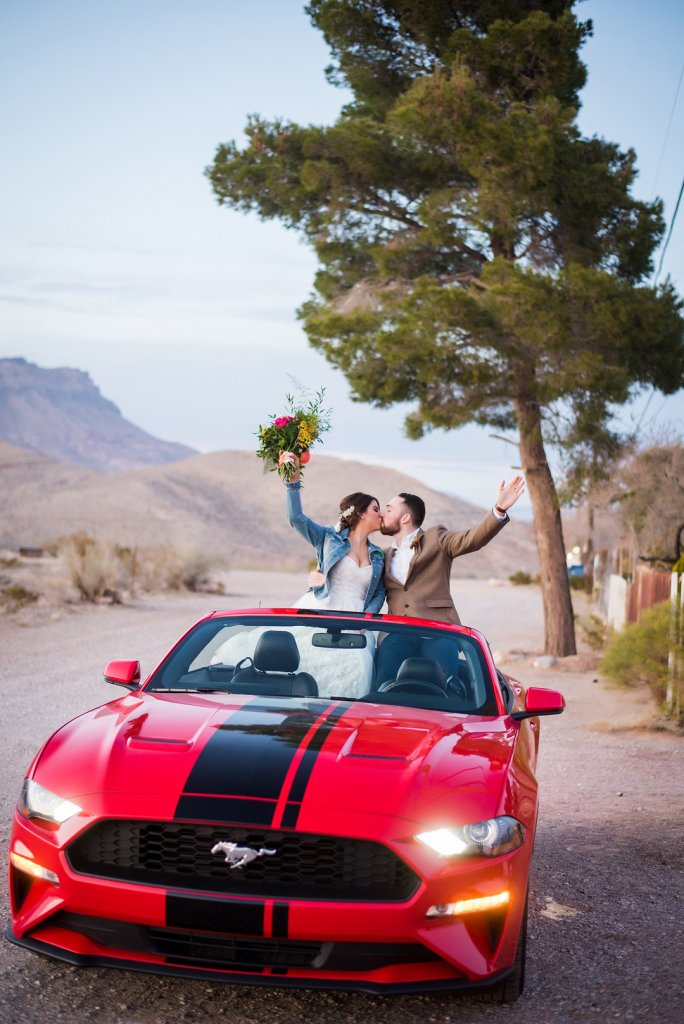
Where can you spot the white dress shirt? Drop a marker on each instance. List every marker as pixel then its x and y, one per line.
pixel 402 554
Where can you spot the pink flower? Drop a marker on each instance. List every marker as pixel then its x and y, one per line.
pixel 282 421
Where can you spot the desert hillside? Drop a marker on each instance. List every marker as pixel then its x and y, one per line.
pixel 62 414
pixel 221 502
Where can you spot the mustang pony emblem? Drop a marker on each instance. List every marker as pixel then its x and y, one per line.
pixel 239 856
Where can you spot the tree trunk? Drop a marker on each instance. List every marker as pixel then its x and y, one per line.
pixel 588 546
pixel 559 626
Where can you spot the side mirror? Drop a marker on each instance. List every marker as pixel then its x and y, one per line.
pixel 540 702
pixel 123 673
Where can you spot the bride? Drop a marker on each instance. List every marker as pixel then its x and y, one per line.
pixel 353 569
pixel 351 564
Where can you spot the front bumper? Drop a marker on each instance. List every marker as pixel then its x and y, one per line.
pixel 263 977
pixel 374 947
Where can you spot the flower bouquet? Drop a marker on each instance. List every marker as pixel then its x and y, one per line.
pixel 295 431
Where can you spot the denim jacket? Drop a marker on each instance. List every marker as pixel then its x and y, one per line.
pixel 331 546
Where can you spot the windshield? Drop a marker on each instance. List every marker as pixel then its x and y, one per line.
pixel 333 657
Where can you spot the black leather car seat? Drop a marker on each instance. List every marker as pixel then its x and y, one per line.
pixel 417 670
pixel 274 670
pixel 422 668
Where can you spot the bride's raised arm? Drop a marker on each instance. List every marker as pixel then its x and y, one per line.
pixel 311 531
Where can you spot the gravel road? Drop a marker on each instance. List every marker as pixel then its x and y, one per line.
pixel 606 911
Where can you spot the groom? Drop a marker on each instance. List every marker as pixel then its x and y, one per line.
pixel 418 564
pixel 418 569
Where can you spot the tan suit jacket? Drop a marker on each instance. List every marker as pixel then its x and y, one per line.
pixel 426 593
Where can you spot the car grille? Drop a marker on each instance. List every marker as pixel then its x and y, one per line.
pixel 215 950
pixel 178 855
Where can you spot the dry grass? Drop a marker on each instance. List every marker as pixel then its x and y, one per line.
pixel 81 569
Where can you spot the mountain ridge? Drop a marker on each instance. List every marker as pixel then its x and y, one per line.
pixel 61 413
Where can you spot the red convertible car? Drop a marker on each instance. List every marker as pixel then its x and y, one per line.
pixel 293 798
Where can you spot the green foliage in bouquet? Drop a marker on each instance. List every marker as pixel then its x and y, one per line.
pixel 300 427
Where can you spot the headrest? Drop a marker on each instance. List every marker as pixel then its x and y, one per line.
pixel 276 651
pixel 422 668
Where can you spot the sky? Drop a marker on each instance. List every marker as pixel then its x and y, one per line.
pixel 116 259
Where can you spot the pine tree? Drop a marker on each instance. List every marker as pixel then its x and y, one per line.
pixel 478 256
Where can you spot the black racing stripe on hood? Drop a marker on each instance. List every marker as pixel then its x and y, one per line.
pixel 305 768
pixel 247 760
pixel 303 774
pixel 226 808
pixel 290 816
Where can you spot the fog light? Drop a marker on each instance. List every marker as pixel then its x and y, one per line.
pixel 29 867
pixel 501 899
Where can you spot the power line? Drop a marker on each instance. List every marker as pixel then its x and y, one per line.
pixel 669 234
pixel 667 130
pixel 660 163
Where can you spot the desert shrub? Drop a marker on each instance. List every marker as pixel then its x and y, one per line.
pixel 192 569
pixel 54 545
pixel 102 570
pixel 15 597
pixel 175 567
pixel 521 579
pixel 129 562
pixel 639 654
pixel 594 630
pixel 93 567
pixel 583 584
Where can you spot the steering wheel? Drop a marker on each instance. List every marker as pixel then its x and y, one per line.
pixel 456 686
pixel 414 686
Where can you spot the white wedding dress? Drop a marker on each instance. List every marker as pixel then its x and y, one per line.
pixel 338 673
pixel 347 588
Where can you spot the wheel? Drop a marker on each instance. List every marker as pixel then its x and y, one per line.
pixel 511 987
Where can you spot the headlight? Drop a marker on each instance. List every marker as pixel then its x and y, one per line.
pixel 491 838
pixel 38 802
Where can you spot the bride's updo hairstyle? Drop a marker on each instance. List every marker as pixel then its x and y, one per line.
pixel 351 509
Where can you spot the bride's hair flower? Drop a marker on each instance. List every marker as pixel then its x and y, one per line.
pixel 294 431
pixel 345 516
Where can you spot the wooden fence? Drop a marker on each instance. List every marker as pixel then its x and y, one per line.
pixel 625 602
pixel 648 587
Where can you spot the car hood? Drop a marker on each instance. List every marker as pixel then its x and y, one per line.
pixel 306 763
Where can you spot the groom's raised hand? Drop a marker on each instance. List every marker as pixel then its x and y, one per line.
pixel 508 494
